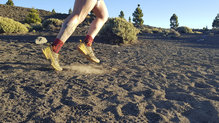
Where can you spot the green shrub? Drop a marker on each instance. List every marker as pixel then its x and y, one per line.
pixel 34 31
pixel 184 29
pixel 171 33
pixel 166 31
pixel 28 26
pixel 157 30
pixel 118 30
pixel 198 32
pixel 10 26
pixel 146 30
pixel 150 30
pixel 33 17
pixel 36 26
pixel 52 23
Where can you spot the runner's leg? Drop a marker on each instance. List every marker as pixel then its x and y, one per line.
pixel 101 13
pixel 80 11
pixel 101 17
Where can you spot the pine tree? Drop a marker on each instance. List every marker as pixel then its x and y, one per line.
pixel 10 3
pixel 53 11
pixel 174 21
pixel 33 17
pixel 215 23
pixel 70 11
pixel 122 14
pixel 205 28
pixel 130 20
pixel 137 16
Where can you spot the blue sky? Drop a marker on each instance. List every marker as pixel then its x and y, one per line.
pixel 191 13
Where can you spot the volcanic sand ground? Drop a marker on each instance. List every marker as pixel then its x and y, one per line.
pixel 158 79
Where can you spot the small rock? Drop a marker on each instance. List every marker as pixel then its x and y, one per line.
pixel 40 40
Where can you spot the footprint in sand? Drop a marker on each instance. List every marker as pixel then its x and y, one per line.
pixel 202 85
pixel 130 109
pixel 153 117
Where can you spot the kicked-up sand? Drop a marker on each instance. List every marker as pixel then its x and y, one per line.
pixel 158 79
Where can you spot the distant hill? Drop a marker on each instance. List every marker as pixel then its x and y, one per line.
pixel 19 13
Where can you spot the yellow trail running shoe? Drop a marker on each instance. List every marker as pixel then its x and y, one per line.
pixel 88 52
pixel 53 57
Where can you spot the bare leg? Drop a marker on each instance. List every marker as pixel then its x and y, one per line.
pixel 101 17
pixel 81 10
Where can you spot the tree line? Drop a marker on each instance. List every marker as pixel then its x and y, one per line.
pixel 138 17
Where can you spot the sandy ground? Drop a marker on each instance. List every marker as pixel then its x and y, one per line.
pixel 157 80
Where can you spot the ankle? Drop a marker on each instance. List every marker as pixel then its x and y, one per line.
pixel 88 40
pixel 57 45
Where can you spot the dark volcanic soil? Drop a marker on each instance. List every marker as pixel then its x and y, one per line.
pixel 156 80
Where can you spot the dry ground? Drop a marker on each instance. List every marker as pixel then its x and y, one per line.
pixel 157 80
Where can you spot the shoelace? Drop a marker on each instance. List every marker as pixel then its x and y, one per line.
pixel 91 51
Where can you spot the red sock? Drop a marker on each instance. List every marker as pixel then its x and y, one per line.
pixel 57 45
pixel 88 40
